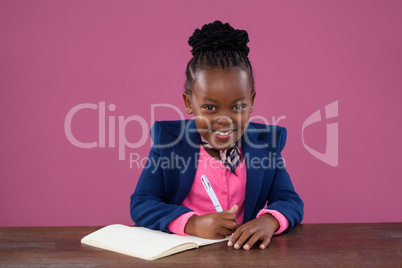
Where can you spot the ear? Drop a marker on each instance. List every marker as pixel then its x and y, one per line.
pixel 187 103
pixel 252 101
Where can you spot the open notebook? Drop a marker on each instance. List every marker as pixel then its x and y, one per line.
pixel 143 243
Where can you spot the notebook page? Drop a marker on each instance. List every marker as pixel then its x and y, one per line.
pixel 139 241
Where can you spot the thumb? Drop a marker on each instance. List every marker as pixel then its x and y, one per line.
pixel 233 209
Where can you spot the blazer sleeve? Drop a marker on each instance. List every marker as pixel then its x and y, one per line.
pixel 150 206
pixel 282 196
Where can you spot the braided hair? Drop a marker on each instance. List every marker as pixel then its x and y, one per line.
pixel 218 45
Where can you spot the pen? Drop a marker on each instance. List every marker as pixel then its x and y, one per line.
pixel 211 193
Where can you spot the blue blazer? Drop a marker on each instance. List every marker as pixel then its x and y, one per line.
pixel 165 182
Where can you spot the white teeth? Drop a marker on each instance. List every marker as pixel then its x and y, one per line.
pixel 224 133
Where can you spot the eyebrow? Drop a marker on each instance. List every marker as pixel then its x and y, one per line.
pixel 239 99
pixel 212 100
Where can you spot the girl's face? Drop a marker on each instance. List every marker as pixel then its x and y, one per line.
pixel 221 101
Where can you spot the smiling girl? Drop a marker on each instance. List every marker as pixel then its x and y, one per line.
pixel 241 159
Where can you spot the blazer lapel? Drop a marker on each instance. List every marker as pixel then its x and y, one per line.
pixel 187 149
pixel 250 147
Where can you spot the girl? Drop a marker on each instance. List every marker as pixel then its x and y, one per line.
pixel 242 160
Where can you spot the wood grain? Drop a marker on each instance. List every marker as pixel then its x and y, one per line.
pixel 337 245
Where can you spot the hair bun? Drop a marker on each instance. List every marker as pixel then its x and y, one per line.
pixel 218 36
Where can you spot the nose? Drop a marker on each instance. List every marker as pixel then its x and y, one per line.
pixel 223 120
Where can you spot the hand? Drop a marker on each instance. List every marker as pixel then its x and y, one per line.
pixel 213 225
pixel 261 228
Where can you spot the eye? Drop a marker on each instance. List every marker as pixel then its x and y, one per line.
pixel 209 107
pixel 239 107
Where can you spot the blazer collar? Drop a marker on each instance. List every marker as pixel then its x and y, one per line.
pixel 253 148
pixel 188 147
pixel 188 132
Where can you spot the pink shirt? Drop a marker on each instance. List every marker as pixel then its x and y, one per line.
pixel 229 189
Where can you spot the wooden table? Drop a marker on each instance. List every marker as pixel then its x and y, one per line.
pixel 338 245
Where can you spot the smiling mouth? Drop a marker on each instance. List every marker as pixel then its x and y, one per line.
pixel 223 133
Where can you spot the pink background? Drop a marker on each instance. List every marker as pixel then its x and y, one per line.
pixel 55 55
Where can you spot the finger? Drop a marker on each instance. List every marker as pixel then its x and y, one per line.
pixel 233 209
pixel 230 225
pixel 265 243
pixel 231 213
pixel 250 243
pixel 229 216
pixel 224 232
pixel 235 237
pixel 242 239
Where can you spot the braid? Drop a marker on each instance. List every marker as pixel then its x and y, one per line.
pixel 218 45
